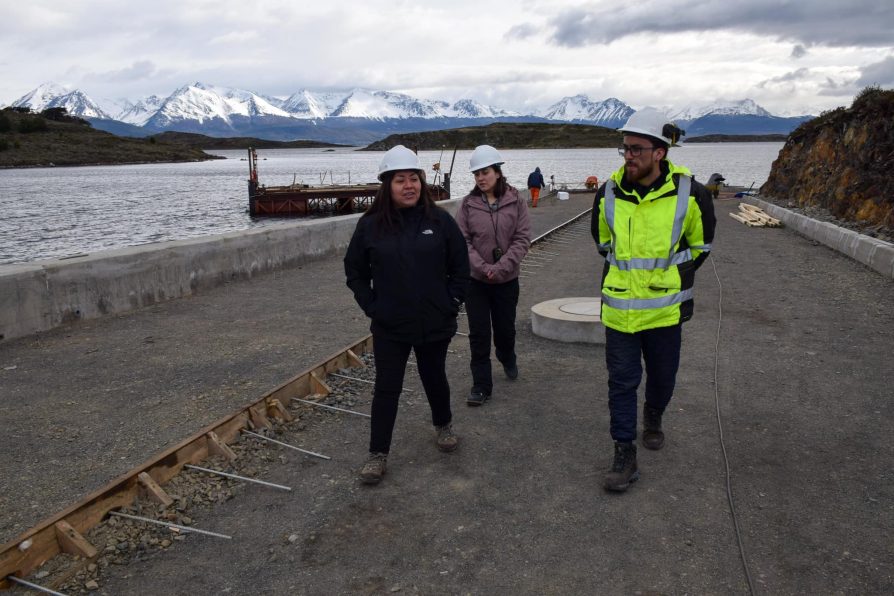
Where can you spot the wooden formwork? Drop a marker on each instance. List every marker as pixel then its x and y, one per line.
pixel 64 531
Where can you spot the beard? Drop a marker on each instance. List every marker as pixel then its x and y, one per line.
pixel 635 171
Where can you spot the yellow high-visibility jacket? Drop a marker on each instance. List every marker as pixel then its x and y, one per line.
pixel 653 239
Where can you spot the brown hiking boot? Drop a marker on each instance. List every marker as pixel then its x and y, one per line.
pixel 373 469
pixel 653 436
pixel 447 439
pixel 624 470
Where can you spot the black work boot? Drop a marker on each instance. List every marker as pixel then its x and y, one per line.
pixel 624 470
pixel 477 397
pixel 511 371
pixel 653 436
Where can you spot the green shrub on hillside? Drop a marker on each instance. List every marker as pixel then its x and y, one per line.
pixel 4 145
pixel 867 95
pixel 5 123
pixel 32 124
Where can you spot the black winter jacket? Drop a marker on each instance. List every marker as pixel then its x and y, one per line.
pixel 410 282
pixel 535 179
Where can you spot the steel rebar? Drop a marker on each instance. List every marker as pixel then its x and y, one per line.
pixel 356 379
pixel 248 432
pixel 28 584
pixel 349 378
pixel 313 403
pixel 170 525
pixel 243 478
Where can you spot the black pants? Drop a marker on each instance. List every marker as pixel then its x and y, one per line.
pixel 491 305
pixel 391 364
pixel 624 354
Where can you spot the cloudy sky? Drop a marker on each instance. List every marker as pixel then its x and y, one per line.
pixel 792 57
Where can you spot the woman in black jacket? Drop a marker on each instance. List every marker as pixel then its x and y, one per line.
pixel 408 268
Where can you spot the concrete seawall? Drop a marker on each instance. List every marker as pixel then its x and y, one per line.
pixel 39 296
pixel 875 254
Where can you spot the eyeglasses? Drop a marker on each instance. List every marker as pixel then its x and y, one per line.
pixel 634 150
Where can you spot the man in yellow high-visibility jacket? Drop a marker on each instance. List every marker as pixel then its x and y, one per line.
pixel 654 225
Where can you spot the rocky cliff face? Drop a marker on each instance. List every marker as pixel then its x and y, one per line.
pixel 842 161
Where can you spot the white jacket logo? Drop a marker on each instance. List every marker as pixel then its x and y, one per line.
pixel 427 232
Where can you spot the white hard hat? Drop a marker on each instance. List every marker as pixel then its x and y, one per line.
pixel 652 123
pixel 398 158
pixel 483 156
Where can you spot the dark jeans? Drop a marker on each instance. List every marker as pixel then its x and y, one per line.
pixel 486 305
pixel 391 363
pixel 660 349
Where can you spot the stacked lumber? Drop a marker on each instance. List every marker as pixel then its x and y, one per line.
pixel 755 217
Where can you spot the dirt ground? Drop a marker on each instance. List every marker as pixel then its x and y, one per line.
pixel 86 403
pixel 790 343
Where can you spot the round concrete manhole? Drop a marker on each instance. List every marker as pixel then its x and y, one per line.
pixel 589 308
pixel 569 320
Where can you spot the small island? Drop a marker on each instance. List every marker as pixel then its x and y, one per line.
pixel 523 135
pixel 54 138
pixel 506 135
pixel 768 138
pixel 200 141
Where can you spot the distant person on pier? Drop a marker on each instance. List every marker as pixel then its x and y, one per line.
pixel 408 267
pixel 715 182
pixel 535 183
pixel 494 220
pixel 654 225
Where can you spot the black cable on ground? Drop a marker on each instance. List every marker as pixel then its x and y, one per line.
pixel 729 488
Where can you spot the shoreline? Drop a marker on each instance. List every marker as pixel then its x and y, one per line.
pixel 114 163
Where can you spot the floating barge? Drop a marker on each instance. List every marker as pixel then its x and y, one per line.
pixel 303 200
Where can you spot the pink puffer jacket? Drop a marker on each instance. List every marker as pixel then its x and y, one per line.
pixel 507 227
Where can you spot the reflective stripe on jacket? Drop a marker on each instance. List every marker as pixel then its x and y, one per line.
pixel 652 244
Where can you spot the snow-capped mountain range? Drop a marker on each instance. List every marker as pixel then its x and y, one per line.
pixel 51 95
pixel 581 108
pixel 721 108
pixel 357 115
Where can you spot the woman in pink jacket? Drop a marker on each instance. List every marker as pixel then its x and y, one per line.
pixel 494 221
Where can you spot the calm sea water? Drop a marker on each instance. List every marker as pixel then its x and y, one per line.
pixel 58 212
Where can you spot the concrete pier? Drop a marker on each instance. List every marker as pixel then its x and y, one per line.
pixel 788 352
pixel 40 296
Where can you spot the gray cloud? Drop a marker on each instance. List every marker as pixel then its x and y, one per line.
pixel 845 93
pixel 795 75
pixel 522 31
pixel 830 22
pixel 880 73
pixel 139 70
pixel 798 51
pixel 844 88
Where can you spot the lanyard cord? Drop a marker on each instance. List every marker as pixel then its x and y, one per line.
pixel 492 220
